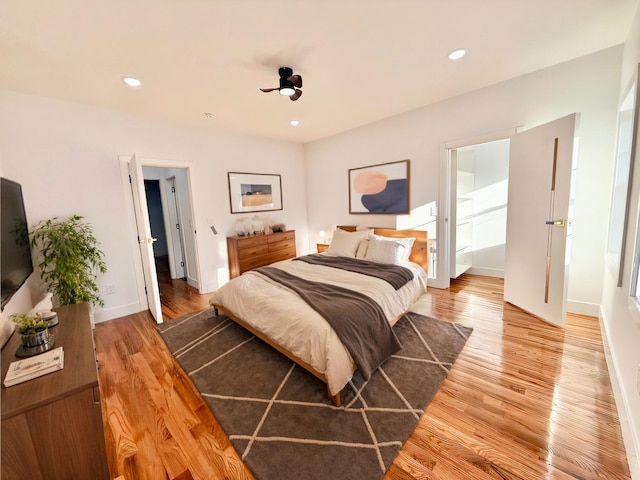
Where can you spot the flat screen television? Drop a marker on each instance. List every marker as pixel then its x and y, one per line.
pixel 15 258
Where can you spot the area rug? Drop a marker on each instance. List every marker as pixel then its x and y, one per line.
pixel 279 417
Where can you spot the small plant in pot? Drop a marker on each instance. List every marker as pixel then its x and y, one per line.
pixel 70 258
pixel 34 330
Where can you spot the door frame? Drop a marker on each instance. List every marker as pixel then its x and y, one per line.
pixel 443 247
pixel 133 229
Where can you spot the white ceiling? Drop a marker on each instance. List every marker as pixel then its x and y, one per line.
pixel 361 60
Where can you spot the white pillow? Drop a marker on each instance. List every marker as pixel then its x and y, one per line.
pixel 408 243
pixel 345 244
pixel 362 247
pixel 385 251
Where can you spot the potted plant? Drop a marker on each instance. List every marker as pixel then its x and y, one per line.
pixel 70 258
pixel 33 329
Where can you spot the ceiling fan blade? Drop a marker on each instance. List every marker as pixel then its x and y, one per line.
pixel 267 90
pixel 296 80
pixel 296 95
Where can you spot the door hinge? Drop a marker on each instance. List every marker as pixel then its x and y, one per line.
pixel 182 264
pixel 130 179
pixel 173 189
pixel 178 226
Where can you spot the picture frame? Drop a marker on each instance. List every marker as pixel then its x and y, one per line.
pixel 254 192
pixel 621 189
pixel 380 189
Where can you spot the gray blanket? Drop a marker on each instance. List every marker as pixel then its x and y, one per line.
pixel 394 275
pixel 358 320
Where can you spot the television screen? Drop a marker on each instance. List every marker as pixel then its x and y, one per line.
pixel 15 258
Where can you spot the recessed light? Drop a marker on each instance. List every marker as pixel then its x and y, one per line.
pixel 457 54
pixel 294 123
pixel 132 82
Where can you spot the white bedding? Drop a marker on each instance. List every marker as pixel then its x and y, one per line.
pixel 288 321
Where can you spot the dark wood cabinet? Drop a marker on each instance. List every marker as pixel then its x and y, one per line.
pixel 249 252
pixel 52 425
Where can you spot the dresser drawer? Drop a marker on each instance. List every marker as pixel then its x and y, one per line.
pixel 252 241
pixel 281 236
pixel 252 250
pixel 249 263
pixel 247 253
pixel 283 245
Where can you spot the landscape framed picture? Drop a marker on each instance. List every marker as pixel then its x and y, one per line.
pixel 254 192
pixel 382 188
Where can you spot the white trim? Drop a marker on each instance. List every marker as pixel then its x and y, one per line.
pixel 442 279
pixel 629 435
pixel 583 308
pixel 487 272
pixel 104 314
pixel 194 281
pixel 152 162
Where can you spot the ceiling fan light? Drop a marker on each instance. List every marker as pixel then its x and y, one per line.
pixel 132 82
pixel 288 91
pixel 457 54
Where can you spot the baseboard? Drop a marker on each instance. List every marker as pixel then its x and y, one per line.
pixel 193 282
pixel 104 314
pixel 487 272
pixel 629 435
pixel 583 308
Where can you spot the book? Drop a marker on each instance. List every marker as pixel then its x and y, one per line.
pixel 33 367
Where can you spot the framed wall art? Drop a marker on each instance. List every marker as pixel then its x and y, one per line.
pixel 382 189
pixel 254 192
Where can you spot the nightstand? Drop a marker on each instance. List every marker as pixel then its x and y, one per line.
pixel 322 247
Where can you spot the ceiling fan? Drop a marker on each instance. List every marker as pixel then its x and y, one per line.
pixel 290 84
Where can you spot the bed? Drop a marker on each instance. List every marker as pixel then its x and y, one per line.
pixel 367 279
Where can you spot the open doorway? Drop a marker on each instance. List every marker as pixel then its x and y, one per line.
pixel 479 176
pixel 167 176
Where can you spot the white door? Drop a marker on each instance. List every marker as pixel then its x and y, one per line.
pixel 145 240
pixel 177 257
pixel 541 174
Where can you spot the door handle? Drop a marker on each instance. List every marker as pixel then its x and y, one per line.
pixel 556 223
pixel 151 240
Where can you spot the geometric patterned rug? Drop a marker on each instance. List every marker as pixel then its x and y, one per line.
pixel 280 418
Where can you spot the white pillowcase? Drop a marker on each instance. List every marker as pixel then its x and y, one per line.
pixel 389 250
pixel 385 251
pixel 408 243
pixel 345 244
pixel 362 247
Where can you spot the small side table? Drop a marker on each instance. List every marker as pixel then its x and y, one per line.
pixel 322 247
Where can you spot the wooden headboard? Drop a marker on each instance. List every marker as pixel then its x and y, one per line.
pixel 419 252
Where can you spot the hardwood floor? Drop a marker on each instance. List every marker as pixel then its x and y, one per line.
pixel 524 400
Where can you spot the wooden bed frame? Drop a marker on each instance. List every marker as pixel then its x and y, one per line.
pixel 419 255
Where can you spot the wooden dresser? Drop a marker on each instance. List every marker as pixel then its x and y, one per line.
pixel 253 251
pixel 52 425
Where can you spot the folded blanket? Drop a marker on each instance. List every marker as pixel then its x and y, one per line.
pixel 394 275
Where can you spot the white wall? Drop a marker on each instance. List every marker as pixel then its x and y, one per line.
pixel 588 85
pixel 490 208
pixel 620 319
pixel 66 158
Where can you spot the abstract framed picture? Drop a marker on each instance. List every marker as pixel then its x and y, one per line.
pixel 254 192
pixel 381 189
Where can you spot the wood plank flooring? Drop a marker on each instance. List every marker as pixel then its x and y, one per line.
pixel 524 401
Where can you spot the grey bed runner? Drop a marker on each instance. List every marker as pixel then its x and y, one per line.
pixel 394 275
pixel 358 320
